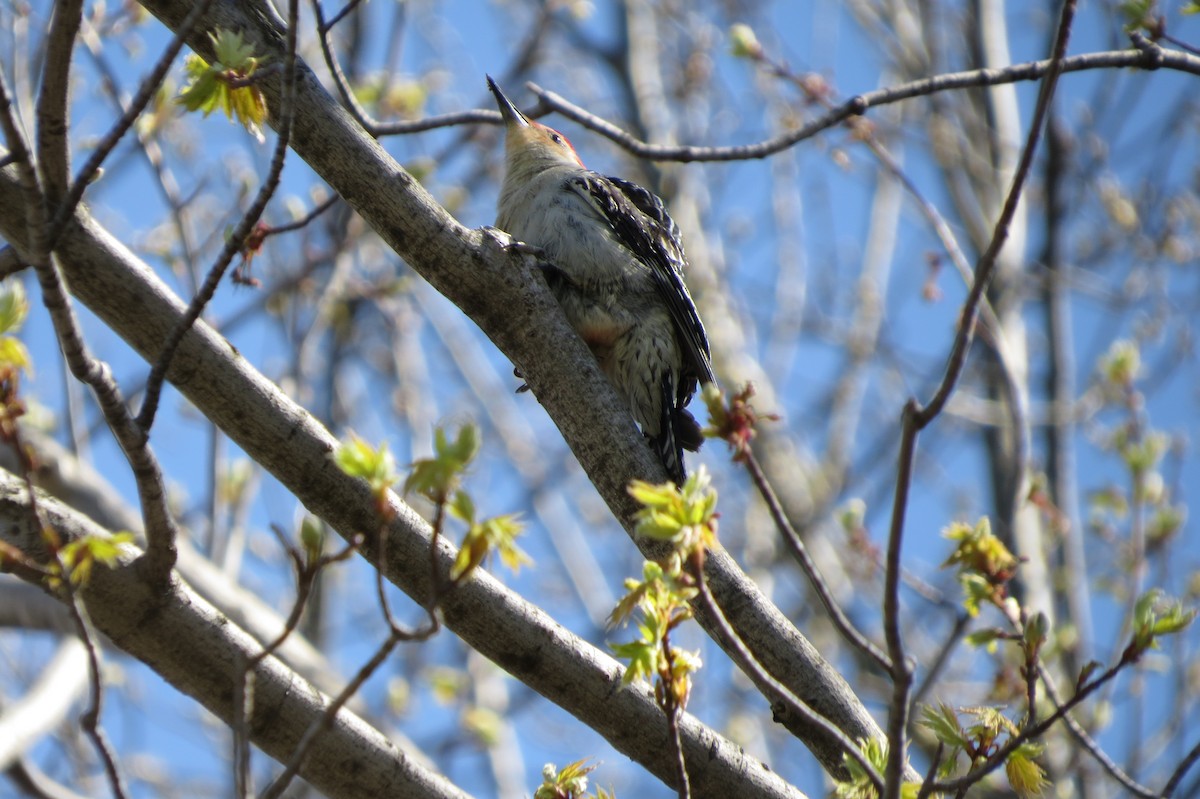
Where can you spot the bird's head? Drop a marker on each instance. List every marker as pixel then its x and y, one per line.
pixel 528 143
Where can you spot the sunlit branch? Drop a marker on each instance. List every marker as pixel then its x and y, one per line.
pixel 916 417
pixel 236 240
pixel 1148 56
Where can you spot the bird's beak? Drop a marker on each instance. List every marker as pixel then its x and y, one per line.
pixel 512 115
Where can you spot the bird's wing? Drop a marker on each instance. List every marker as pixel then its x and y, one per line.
pixel 656 244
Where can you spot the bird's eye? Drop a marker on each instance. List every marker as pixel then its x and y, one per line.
pixel 556 138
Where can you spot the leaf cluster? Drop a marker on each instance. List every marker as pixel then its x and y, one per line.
pixel 497 534
pixel 858 784
pixel 686 518
pixel 569 782
pixel 985 565
pixel 1155 615
pixel 661 600
pixel 77 558
pixel 439 479
pixel 14 357
pixel 735 421
pixel 226 84
pixel 988 732
pixel 376 465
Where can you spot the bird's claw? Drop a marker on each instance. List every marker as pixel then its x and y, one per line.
pixel 509 244
pixel 526 249
pixel 521 389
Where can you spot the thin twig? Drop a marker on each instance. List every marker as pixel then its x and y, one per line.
pixel 671 708
pixel 398 632
pixel 326 27
pixel 865 133
pixel 915 417
pixel 335 69
pixel 997 758
pixel 1029 670
pixel 53 153
pixel 753 669
pixel 150 150
pixel 901 671
pixel 19 563
pixel 1182 45
pixel 934 762
pixel 1181 770
pixel 317 210
pixel 90 720
pixel 1093 748
pixel 1148 56
pixel 321 724
pixel 285 114
pixel 160 527
pixel 243 705
pixel 810 568
pixel 145 93
pixel 35 784
pixel 991 331
pixel 379 129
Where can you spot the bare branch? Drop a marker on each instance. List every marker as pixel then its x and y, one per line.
pixel 137 105
pixel 257 416
pixel 1148 56
pixel 28 778
pixel 1189 760
pixel 379 129
pixel 237 239
pixel 199 651
pixel 160 525
pixel 90 720
pixel 307 219
pixel 916 417
pixel 325 721
pixel 750 665
pixel 1091 747
pixel 53 155
pixel 809 566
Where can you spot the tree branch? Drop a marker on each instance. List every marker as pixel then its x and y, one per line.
pixel 1147 56
pixel 38 238
pixel 53 155
pixel 290 444
pixel 197 649
pixel 508 299
pixel 916 417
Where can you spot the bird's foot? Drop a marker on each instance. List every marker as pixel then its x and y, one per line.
pixel 521 389
pixel 510 244
pixel 506 242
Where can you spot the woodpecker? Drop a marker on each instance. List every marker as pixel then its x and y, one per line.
pixel 617 273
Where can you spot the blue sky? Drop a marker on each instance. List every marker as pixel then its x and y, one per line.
pixel 451 58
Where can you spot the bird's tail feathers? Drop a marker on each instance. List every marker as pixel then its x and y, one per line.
pixel 688 432
pixel 678 430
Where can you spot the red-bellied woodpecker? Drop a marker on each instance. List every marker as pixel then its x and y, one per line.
pixel 617 273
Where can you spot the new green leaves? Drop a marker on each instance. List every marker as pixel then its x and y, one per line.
pixel 226 85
